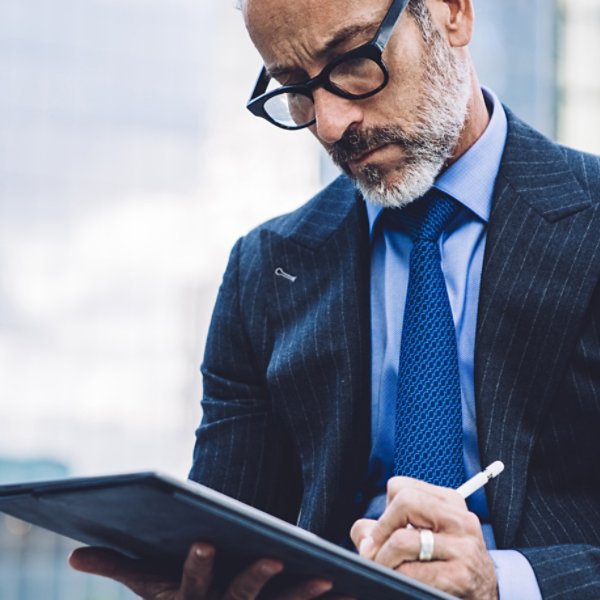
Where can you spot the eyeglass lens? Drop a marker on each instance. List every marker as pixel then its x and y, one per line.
pixel 291 110
pixel 355 77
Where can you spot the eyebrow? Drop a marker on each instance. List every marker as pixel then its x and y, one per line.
pixel 339 38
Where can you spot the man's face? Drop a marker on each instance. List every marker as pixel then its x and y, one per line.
pixel 395 143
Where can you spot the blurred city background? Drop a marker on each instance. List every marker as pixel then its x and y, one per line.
pixel 128 168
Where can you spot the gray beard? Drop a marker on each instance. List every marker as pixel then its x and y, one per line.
pixel 440 118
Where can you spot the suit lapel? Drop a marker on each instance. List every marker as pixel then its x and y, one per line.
pixel 537 280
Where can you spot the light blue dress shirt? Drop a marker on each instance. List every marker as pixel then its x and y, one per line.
pixel 470 180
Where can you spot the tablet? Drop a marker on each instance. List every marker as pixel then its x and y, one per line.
pixel 156 518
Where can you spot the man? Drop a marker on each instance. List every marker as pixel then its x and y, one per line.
pixel 331 324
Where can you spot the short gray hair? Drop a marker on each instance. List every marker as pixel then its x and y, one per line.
pixel 420 13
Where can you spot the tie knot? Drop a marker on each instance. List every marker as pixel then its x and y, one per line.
pixel 427 217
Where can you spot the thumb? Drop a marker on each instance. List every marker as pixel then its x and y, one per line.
pixel 361 537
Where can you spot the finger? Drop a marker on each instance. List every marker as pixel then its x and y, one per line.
pixel 401 546
pixel 135 574
pixel 404 545
pixel 361 536
pixel 248 584
pixel 105 562
pixel 313 588
pixel 422 508
pixel 368 536
pixel 197 572
pixel 395 484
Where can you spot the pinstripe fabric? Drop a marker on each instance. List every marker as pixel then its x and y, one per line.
pixel 537 365
pixel 286 370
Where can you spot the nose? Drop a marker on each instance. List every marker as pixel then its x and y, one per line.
pixel 333 115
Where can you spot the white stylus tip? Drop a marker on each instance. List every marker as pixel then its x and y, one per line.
pixel 495 469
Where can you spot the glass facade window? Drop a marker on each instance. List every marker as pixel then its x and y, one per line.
pixel 579 74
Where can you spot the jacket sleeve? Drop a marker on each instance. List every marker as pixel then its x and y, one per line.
pixel 566 571
pixel 240 448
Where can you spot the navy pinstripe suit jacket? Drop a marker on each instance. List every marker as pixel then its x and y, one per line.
pixel 286 372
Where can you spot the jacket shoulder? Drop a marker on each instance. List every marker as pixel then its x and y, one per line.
pixel 311 224
pixel 553 179
pixel 586 168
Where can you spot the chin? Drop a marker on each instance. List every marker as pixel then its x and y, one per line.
pixel 398 188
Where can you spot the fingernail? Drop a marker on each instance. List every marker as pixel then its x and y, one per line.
pixel 366 547
pixel 203 551
pixel 271 569
pixel 319 587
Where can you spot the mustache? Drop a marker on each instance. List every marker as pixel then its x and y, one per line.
pixel 355 143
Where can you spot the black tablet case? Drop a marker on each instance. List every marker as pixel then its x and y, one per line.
pixel 157 518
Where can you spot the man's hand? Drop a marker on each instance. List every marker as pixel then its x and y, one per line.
pixel 197 578
pixel 460 565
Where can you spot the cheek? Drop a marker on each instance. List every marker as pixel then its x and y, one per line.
pixel 405 85
pixel 404 57
pixel 394 107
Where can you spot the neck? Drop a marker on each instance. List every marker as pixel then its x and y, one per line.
pixel 476 122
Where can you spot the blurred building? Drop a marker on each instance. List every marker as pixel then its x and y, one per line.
pixel 125 178
pixel 515 50
pixel 579 74
pixel 543 59
pixel 102 114
pixel 33 562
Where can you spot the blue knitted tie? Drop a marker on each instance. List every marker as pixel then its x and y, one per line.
pixel 428 435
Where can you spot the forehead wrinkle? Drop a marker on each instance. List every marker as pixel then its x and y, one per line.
pixel 337 39
pixel 344 35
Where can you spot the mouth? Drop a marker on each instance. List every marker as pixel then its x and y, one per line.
pixel 358 160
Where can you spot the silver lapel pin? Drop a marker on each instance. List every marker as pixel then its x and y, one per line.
pixel 281 273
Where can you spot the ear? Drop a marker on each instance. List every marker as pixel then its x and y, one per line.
pixel 456 19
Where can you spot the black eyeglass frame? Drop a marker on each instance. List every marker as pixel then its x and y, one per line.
pixel 372 50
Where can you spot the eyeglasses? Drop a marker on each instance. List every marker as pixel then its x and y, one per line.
pixel 357 74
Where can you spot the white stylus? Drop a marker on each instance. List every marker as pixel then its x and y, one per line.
pixel 466 489
pixel 478 481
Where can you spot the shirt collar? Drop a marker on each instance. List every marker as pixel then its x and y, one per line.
pixel 471 179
